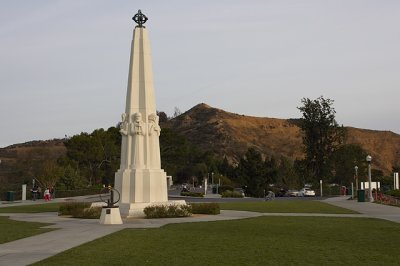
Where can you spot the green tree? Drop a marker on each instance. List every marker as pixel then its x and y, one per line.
pixel 252 173
pixel 321 135
pixel 97 154
pixel 343 161
pixel 286 176
pixel 71 179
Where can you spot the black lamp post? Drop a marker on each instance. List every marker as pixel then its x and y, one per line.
pixel 369 159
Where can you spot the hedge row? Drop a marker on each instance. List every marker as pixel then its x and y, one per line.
pixel 80 210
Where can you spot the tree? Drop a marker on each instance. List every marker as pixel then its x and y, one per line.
pixel 252 173
pixel 49 174
pixel 163 118
pixel 343 161
pixel 177 112
pixel 396 169
pixel 97 154
pixel 286 176
pixel 322 135
pixel 71 179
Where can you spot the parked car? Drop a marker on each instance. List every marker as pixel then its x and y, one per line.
pixel 292 193
pixel 306 192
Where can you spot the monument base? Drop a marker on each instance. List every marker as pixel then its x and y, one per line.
pixel 135 210
pixel 110 216
pixel 141 185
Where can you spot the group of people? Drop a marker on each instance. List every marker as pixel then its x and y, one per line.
pixel 48 193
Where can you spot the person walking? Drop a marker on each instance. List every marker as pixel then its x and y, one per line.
pixel 47 194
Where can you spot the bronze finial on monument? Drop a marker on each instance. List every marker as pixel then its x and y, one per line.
pixel 140 19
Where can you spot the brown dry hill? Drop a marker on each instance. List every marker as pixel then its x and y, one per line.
pixel 13 156
pixel 230 135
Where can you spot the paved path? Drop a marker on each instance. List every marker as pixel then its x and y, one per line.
pixel 73 232
pixel 369 209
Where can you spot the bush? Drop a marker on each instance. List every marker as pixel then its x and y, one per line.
pixel 167 211
pixel 192 194
pixel 394 193
pixel 222 189
pixel 205 208
pixel 231 194
pixel 80 210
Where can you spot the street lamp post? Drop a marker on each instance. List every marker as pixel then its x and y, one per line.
pixel 369 159
pixel 356 177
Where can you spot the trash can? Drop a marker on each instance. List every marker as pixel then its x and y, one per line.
pixel 10 196
pixel 361 195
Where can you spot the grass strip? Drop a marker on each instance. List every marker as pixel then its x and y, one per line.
pixel 12 230
pixel 254 241
pixel 277 206
pixel 36 208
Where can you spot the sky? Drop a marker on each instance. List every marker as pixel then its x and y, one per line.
pixel 64 63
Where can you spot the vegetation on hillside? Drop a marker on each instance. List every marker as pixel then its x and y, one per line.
pixel 91 159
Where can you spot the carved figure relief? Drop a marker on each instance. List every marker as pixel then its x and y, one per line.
pixel 124 125
pixel 137 131
pixel 137 128
pixel 125 146
pixel 154 142
pixel 153 125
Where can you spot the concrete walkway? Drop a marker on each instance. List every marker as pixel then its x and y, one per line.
pixel 74 232
pixel 369 209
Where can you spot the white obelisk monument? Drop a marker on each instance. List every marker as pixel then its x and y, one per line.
pixel 140 179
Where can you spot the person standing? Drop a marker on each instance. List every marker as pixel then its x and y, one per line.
pixel 34 193
pixel 47 194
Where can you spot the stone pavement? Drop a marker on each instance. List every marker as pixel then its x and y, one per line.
pixel 73 232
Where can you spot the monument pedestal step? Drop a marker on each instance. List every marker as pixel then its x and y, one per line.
pixel 110 216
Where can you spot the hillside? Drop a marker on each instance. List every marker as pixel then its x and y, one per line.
pixel 18 156
pixel 231 135
pixel 226 134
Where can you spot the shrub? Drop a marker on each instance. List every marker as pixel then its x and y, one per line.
pixel 222 189
pixel 88 213
pixel 205 208
pixel 80 210
pixel 68 208
pixel 167 211
pixel 394 193
pixel 231 194
pixel 192 194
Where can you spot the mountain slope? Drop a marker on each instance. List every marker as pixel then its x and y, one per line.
pixel 230 135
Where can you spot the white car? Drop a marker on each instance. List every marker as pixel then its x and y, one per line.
pixel 306 192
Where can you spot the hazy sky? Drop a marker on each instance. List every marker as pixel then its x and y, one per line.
pixel 64 64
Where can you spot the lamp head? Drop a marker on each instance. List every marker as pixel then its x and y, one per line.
pixel 369 158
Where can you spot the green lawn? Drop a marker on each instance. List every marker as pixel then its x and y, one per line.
pixel 255 241
pixel 45 207
pixel 12 230
pixel 295 206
